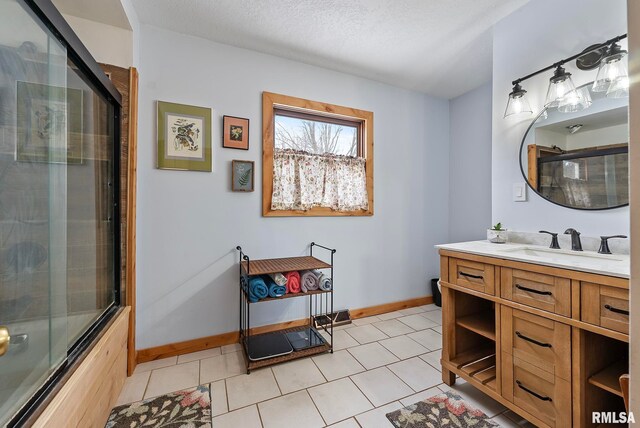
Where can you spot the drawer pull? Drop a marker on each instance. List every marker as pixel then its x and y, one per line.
pixel 616 310
pixel 528 339
pixel 468 275
pixel 532 290
pixel 535 394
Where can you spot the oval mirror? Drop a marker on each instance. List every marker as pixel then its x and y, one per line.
pixel 580 159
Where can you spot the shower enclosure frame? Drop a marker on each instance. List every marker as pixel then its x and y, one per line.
pixel 46 12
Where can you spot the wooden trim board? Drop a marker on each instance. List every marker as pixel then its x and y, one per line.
pixel 390 307
pixel 132 179
pixel 200 344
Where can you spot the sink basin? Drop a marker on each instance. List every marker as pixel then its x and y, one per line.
pixel 560 255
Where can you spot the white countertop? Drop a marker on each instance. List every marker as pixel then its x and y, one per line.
pixel 586 261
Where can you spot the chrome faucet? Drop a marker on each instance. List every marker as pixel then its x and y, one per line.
pixel 576 245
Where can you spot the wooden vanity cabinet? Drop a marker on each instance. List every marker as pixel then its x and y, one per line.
pixel 548 343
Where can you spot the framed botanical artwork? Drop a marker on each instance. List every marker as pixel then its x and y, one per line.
pixel 242 175
pixel 184 137
pixel 49 123
pixel 235 133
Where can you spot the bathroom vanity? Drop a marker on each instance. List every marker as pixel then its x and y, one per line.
pixel 544 332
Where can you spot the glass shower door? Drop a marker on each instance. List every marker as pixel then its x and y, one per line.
pixel 34 148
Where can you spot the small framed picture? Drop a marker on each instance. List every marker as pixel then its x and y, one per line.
pixel 235 133
pixel 242 175
pixel 184 137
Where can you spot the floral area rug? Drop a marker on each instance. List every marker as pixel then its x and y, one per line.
pixel 446 410
pixel 188 408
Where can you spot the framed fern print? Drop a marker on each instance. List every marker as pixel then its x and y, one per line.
pixel 242 175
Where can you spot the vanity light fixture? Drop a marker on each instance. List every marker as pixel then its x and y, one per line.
pixel 561 89
pixel 562 93
pixel 518 102
pixel 612 71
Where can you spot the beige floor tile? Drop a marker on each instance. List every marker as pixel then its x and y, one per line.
pixel 417 322
pixel 476 398
pixel 393 327
pixel 156 364
pixel 221 367
pixel 234 347
pixel 219 398
pixel 433 358
pixel 403 347
pixel 365 321
pixel 377 418
pixel 194 356
pixel 390 315
pixel 416 373
pixel 245 418
pixel 427 338
pixel 297 375
pixel 349 423
pixel 339 400
pixel 133 389
pixel 435 316
pixel 437 329
pixel 410 311
pixel 429 308
pixel 381 386
pixel 290 411
pixel 341 339
pixel 172 378
pixel 337 365
pixel 420 396
pixel 366 334
pixel 372 355
pixel 252 388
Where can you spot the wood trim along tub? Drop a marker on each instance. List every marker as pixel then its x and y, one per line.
pixel 271 100
pixel 194 345
pixel 132 179
pixel 91 391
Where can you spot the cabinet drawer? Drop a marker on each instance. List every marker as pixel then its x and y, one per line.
pixel 473 275
pixel 544 343
pixel 537 290
pixel 536 391
pixel 605 306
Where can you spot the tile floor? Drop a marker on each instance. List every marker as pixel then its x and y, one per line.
pixel 380 364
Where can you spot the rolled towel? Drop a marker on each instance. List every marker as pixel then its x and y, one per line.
pixel 257 289
pixel 293 282
pixel 278 278
pixel 325 282
pixel 275 290
pixel 308 281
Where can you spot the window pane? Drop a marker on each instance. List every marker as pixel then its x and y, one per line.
pixel 315 136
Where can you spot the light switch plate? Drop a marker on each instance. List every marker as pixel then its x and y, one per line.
pixel 520 192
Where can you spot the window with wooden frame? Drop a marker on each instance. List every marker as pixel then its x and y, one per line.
pixel 317 158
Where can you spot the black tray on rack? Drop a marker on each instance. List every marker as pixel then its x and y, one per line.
pixel 265 346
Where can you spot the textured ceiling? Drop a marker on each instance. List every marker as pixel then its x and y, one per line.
pixel 108 12
pixel 440 47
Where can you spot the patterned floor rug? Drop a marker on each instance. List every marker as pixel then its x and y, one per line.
pixel 446 410
pixel 188 408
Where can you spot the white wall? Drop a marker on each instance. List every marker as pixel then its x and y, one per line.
pixel 470 165
pixel 106 43
pixel 539 34
pixel 190 222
